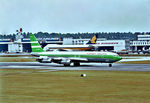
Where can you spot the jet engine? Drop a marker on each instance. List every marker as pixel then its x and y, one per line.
pixel 66 62
pixel 44 59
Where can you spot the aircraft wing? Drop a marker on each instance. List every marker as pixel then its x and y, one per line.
pixel 78 59
pixel 71 59
pixel 60 60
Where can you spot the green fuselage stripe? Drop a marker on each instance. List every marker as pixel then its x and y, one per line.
pixel 37 49
pixel 83 56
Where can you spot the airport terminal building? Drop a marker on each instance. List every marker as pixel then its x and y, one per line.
pixel 113 45
pixel 142 43
pixel 23 44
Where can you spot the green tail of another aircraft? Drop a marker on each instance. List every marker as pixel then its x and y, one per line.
pixel 36 47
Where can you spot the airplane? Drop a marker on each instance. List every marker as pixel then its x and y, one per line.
pixel 68 57
pixel 88 46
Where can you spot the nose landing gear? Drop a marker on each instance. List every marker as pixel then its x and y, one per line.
pixel 110 65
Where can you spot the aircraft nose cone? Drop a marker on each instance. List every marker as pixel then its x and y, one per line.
pixel 119 58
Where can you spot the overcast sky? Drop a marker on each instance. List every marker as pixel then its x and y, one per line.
pixel 74 15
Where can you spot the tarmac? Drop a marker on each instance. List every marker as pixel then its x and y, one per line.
pixel 84 66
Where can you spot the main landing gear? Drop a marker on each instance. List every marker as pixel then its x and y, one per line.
pixel 110 65
pixel 76 63
pixel 66 65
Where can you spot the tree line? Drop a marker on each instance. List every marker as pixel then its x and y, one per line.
pixel 107 35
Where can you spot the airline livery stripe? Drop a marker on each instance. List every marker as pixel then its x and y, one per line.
pixel 36 46
pixel 34 42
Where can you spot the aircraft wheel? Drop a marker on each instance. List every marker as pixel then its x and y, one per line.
pixel 110 65
pixel 76 63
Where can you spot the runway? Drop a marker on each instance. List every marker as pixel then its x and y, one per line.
pixel 84 66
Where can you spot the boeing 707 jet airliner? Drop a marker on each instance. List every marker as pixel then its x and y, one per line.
pixel 68 57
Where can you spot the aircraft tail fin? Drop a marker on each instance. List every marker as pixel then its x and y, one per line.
pixel 60 38
pixel 93 40
pixel 36 47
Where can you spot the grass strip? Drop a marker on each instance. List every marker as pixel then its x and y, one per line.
pixel 33 86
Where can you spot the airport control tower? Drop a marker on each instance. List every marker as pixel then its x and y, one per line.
pixel 16 46
pixel 19 37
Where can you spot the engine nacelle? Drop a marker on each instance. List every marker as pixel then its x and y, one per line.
pixel 65 61
pixel 44 59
